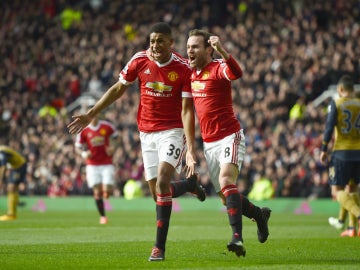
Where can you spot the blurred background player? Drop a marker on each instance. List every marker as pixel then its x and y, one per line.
pixel 16 163
pixel 165 117
pixel 344 166
pixel 339 222
pixel 96 144
pixel 224 140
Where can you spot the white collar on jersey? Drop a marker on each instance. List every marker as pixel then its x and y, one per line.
pixel 94 127
pixel 166 63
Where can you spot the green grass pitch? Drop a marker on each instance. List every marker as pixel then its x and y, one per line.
pixel 73 239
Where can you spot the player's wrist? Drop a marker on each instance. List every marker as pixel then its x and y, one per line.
pixel 84 154
pixel 323 147
pixel 224 54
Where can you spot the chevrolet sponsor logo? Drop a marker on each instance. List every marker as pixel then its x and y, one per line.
pixel 98 140
pixel 197 86
pixel 158 86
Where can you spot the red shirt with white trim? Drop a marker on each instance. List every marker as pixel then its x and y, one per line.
pixel 162 87
pixel 96 139
pixel 211 91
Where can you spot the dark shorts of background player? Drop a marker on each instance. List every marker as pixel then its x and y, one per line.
pixel 342 171
pixel 18 175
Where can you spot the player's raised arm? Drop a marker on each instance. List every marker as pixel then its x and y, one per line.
pixel 234 67
pixel 82 120
pixel 215 43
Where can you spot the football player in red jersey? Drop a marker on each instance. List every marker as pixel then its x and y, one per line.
pixel 95 144
pixel 165 115
pixel 224 140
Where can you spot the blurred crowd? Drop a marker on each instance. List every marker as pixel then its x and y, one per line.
pixel 55 52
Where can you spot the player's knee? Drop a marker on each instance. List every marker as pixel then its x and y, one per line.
pixel 162 186
pixel 153 194
pixel 106 195
pixel 11 188
pixel 335 191
pixel 341 195
pixel 97 194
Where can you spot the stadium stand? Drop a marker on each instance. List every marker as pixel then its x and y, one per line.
pixel 54 52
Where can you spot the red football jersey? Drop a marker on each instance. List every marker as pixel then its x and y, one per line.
pixel 162 87
pixel 211 91
pixel 97 139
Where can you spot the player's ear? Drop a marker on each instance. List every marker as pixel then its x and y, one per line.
pixel 340 89
pixel 172 45
pixel 210 50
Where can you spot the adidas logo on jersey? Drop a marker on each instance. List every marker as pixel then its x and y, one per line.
pixel 147 71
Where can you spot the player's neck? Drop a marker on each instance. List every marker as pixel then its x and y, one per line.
pixel 166 59
pixel 347 95
pixel 208 61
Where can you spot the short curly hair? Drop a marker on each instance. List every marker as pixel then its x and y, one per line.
pixel 162 28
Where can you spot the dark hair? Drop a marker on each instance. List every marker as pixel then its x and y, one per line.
pixel 162 28
pixel 203 33
pixel 347 83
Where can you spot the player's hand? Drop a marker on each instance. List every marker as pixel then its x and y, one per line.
pixel 109 150
pixel 190 164
pixel 323 158
pixel 86 154
pixel 214 42
pixel 79 123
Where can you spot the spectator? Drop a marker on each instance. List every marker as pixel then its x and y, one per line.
pixel 262 188
pixel 286 47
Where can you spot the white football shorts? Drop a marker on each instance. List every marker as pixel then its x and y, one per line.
pixel 100 174
pixel 230 149
pixel 156 147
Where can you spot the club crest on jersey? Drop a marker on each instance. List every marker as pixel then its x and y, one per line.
pixel 205 75
pixel 103 132
pixel 173 76
pixel 158 86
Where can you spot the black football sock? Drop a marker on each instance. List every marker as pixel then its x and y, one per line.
pixel 233 206
pixel 179 188
pixel 163 213
pixel 249 210
pixel 100 206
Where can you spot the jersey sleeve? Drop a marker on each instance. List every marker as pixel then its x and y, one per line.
pixel 230 69
pixel 235 71
pixel 129 73
pixel 186 90
pixel 79 142
pixel 113 131
pixel 3 159
pixel 330 125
